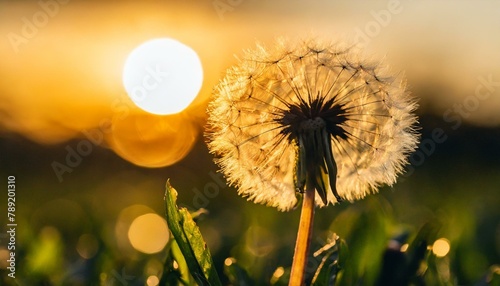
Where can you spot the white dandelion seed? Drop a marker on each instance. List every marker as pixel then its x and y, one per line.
pixel 314 112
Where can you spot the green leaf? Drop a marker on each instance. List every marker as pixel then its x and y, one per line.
pixel 419 247
pixel 190 241
pixel 402 267
pixel 236 274
pixel 172 272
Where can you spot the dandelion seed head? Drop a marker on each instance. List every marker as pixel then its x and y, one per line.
pixel 279 103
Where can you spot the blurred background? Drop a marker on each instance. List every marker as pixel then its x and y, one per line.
pixel 91 167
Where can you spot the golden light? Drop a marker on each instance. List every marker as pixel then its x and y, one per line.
pixel 153 141
pixel 78 83
pixel 229 261
pixel 404 247
pixel 152 280
pixel 148 233
pixel 441 247
pixel 162 76
pixel 123 222
pixel 277 274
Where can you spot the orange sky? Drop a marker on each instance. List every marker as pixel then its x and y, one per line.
pixel 61 64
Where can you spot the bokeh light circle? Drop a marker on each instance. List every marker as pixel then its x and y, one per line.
pixel 153 141
pixel 162 76
pixel 152 280
pixel 148 233
pixel 441 247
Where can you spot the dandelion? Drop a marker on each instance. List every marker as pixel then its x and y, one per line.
pixel 307 119
pixel 310 113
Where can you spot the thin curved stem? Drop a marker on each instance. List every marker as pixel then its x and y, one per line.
pixel 303 237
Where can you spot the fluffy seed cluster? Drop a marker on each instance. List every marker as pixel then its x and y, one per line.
pixel 275 100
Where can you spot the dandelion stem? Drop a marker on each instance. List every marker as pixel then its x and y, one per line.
pixel 303 237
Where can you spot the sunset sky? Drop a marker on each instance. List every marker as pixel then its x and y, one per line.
pixel 60 73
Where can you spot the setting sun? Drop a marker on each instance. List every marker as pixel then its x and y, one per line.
pixel 162 76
